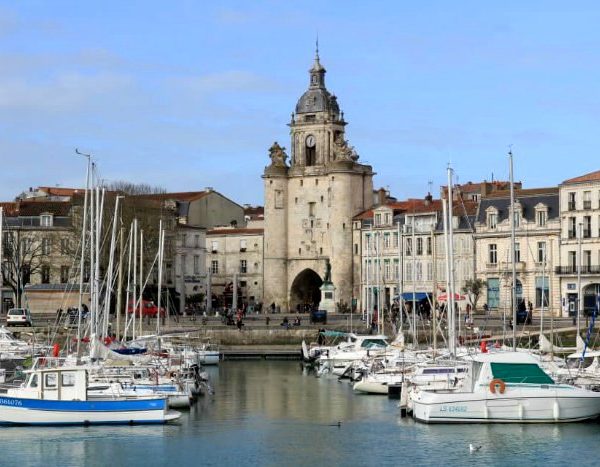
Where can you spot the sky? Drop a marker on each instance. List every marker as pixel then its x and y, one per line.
pixel 190 94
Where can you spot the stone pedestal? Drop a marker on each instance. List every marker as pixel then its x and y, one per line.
pixel 327 297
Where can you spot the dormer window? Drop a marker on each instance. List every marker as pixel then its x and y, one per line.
pixel 46 220
pixel 378 218
pixel 491 217
pixel 541 215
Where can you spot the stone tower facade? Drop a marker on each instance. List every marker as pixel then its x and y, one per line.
pixel 309 205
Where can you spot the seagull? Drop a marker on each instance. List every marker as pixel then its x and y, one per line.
pixel 473 449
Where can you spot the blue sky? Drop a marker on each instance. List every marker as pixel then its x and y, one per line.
pixel 189 94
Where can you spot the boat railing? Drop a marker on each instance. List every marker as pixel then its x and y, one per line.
pixel 48 362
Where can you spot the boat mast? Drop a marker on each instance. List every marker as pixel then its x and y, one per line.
pixel 414 284
pixel 142 282
pixel 451 346
pixel 451 258
pixel 161 241
pixel 400 272
pixel 120 283
pixel 82 259
pixel 513 250
pixel 135 284
pixel 1 256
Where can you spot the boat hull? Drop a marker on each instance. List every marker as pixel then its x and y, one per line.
pixel 556 406
pixel 22 411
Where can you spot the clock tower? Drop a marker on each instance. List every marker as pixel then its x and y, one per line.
pixel 309 205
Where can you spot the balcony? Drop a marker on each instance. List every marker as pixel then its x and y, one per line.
pixel 571 206
pixel 587 205
pixel 572 234
pixel 572 269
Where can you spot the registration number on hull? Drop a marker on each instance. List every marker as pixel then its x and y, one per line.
pixel 453 408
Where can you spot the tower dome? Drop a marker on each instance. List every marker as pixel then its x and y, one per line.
pixel 317 98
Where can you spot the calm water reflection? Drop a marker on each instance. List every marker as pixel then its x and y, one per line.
pixel 270 413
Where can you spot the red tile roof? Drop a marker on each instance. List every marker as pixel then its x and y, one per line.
pixel 590 177
pixel 59 191
pixel 524 192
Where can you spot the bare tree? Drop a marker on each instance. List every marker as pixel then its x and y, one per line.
pixel 24 253
pixel 131 188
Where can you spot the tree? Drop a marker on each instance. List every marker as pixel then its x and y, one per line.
pixel 474 287
pixel 131 188
pixel 24 255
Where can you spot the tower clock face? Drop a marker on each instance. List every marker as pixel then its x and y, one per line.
pixel 310 141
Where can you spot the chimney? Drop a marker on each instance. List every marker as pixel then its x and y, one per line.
pixel 428 199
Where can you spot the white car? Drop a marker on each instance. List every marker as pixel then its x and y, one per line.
pixel 18 317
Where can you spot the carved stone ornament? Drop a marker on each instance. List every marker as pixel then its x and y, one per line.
pixel 277 155
pixel 343 151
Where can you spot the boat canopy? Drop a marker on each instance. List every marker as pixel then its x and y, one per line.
pixel 520 373
pixel 333 334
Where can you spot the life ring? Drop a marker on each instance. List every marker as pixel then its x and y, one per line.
pixel 497 384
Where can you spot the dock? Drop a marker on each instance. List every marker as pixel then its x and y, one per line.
pixel 271 352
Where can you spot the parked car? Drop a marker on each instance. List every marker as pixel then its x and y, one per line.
pixel 149 308
pixel 18 317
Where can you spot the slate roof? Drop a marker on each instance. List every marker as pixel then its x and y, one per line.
pixel 528 200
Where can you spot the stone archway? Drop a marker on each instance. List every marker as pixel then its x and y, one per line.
pixel 305 290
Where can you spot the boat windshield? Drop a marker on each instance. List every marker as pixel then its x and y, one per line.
pixel 373 343
pixel 520 373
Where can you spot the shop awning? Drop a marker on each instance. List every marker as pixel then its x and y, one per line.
pixel 418 296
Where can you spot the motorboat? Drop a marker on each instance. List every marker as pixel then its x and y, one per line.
pixel 59 396
pixel 505 387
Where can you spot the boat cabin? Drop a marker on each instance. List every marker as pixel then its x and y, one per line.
pixel 60 384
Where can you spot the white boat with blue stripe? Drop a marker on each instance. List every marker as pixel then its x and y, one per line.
pixel 58 396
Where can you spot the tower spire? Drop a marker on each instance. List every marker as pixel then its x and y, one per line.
pixel 317 47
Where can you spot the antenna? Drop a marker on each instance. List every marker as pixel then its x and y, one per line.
pixel 317 45
pixel 430 186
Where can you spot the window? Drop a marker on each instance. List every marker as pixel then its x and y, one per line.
pixel 387 269
pixel 197 241
pixel 214 246
pixel 493 292
pixel 429 271
pixel 214 267
pixel 493 253
pixel 395 239
pixel 311 209
pixel 517 252
pixel 587 226
pixel 386 240
pixel 429 245
pixel 26 244
pixel 396 268
pixel 572 261
pixel 368 242
pixel 65 246
pixel 586 262
pixel 541 252
pixel 64 274
pixel 50 380
pixel 243 266
pixel 34 381
pixel 46 220
pixel 419 271
pixel 243 245
pixel 387 218
pixel 68 379
pixel 572 227
pixel 196 264
pixel 542 291
pixel 183 240
pixel 356 248
pixel 571 203
pixel 541 217
pixel 419 246
pixel 45 274
pixel 184 269
pixel 492 220
pixel 408 246
pixel 587 200
pixel 378 219
pixel 409 271
pixel 517 217
pixel 46 243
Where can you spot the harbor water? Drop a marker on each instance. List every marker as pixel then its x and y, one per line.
pixel 272 413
